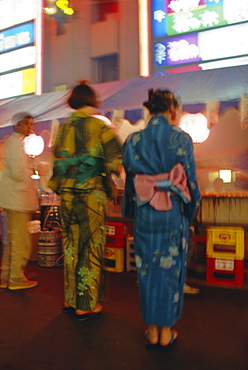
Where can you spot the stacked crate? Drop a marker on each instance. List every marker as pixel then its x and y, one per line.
pixel 225 256
pixel 116 236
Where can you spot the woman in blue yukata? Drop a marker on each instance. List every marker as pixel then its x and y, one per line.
pixel 161 195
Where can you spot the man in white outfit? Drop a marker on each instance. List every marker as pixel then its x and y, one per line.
pixel 18 198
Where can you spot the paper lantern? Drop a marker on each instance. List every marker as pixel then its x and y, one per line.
pixel 196 125
pixel 33 145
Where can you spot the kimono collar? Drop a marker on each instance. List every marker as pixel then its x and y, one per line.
pixel 84 112
pixel 157 120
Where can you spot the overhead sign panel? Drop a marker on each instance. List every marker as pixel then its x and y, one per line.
pixel 17 59
pixel 21 47
pixel 17 83
pixel 199 47
pixel 14 12
pixel 192 31
pixel 180 16
pixel 17 36
pixel 196 20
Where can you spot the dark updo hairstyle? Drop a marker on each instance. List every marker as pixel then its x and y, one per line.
pixel 160 101
pixel 82 95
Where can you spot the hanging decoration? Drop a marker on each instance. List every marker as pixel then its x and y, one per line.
pixel 196 125
pixel 243 107
pixel 33 145
pixel 212 112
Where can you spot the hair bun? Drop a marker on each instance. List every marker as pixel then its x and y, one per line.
pixel 160 101
pixel 84 82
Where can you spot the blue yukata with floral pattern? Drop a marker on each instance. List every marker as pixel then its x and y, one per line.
pixel 160 237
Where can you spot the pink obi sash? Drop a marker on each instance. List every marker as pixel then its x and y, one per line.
pixel 157 189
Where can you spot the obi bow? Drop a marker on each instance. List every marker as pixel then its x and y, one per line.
pixel 156 189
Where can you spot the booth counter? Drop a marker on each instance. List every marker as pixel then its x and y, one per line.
pixel 224 208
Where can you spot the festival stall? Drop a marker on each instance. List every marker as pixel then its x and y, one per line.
pixel 219 95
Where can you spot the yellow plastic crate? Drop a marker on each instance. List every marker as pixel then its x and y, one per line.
pixel 225 242
pixel 113 259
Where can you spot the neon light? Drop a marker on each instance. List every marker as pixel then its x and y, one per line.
pixel 242 61
pixel 224 42
pixel 143 38
pixel 49 11
pixel 39 49
pixel 63 5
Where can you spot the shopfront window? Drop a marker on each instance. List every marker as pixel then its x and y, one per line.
pixel 105 69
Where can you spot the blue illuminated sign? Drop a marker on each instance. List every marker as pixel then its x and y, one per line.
pixel 177 50
pixel 159 18
pixel 17 36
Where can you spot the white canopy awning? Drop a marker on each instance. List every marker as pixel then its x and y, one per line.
pixel 192 87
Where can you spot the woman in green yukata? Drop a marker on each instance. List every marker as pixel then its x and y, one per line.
pixel 86 153
pixel 161 195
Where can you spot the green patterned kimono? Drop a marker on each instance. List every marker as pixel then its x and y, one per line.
pixel 86 152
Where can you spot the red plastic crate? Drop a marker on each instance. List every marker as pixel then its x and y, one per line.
pixel 225 272
pixel 117 233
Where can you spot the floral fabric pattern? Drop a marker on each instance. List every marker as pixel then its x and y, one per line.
pixel 160 237
pixel 83 201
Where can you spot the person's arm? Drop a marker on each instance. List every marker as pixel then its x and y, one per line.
pixel 129 191
pixel 18 162
pixel 54 182
pixel 112 150
pixel 111 161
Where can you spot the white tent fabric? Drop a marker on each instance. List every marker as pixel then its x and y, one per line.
pixel 192 87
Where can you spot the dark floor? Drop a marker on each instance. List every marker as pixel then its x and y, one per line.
pixel 36 335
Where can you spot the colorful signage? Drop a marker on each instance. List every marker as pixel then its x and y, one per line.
pixel 196 20
pixel 64 6
pixel 180 16
pixel 59 10
pixel 21 38
pixel 193 31
pixel 14 12
pixel 17 59
pixel 199 47
pixel 17 83
pixel 16 37
pixel 177 50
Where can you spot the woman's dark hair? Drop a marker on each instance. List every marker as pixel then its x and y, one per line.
pixel 82 95
pixel 160 101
